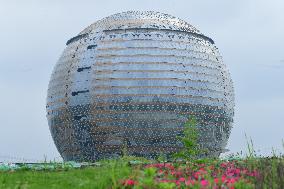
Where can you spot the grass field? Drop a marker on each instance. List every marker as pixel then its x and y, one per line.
pixel 89 177
pixel 184 169
pixel 251 172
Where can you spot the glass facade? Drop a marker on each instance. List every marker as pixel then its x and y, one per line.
pixel 131 80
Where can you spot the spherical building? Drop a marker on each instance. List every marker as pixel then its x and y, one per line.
pixel 130 81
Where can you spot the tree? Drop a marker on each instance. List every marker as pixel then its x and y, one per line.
pixel 191 148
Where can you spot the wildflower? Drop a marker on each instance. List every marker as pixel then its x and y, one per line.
pixel 204 182
pixel 169 166
pixel 223 178
pixel 232 180
pixel 189 182
pixel 223 165
pixel 129 182
pixel 216 180
pixel 197 174
pixel 182 179
pixel 237 171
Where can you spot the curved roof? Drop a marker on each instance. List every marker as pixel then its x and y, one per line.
pixel 140 19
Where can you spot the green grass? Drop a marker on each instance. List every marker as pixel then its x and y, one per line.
pixel 104 176
pixel 111 173
pixel 271 171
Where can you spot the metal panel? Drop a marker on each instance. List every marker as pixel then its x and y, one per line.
pixel 133 79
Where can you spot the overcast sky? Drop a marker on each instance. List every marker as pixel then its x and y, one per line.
pixel 249 34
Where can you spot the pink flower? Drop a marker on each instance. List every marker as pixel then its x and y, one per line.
pixel 224 165
pixel 189 182
pixel 169 166
pixel 176 173
pixel 204 182
pixel 232 180
pixel 216 180
pixel 197 174
pixel 237 171
pixel 223 178
pixel 182 179
pixel 129 182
